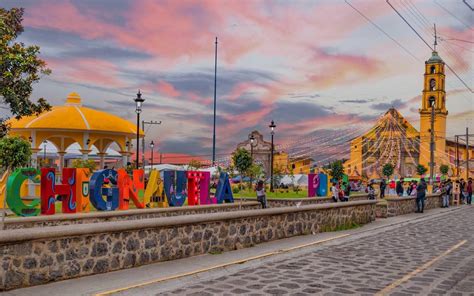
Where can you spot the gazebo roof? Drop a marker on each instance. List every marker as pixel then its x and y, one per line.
pixel 74 117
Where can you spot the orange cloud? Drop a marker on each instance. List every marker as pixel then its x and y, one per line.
pixel 167 89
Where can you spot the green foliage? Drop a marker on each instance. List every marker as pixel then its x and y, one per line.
pixel 14 152
pixel 194 165
pixel 444 168
pixel 20 68
pixel 255 171
pixel 80 163
pixel 242 160
pixel 421 169
pixel 277 175
pixel 388 169
pixel 337 169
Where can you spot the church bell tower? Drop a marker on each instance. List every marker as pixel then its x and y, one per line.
pixel 433 91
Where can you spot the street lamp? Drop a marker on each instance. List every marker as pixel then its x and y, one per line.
pixel 30 139
pixel 138 101
pixel 432 141
pixel 252 141
pixel 272 126
pixel 151 146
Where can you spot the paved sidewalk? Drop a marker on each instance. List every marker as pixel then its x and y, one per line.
pixel 150 279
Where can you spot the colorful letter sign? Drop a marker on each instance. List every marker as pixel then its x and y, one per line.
pixel 104 183
pixel 198 188
pixel 224 190
pixel 175 187
pixel 49 191
pixel 131 188
pixel 313 184
pixel 14 183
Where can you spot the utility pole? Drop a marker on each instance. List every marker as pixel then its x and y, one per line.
pixel 215 103
pixel 143 139
pixel 467 153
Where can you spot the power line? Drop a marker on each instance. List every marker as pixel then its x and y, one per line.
pixel 429 46
pixel 453 15
pixel 382 30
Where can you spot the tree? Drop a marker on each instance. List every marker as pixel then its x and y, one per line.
pixel 14 152
pixel 194 165
pixel 337 169
pixel 387 170
pixel 421 169
pixel 277 175
pixel 255 171
pixel 242 161
pixel 444 169
pixel 84 163
pixel 20 68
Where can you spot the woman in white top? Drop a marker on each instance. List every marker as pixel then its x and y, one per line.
pixel 334 192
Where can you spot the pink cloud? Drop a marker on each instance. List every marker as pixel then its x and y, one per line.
pixel 167 89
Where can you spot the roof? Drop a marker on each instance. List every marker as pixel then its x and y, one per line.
pixel 73 116
pixel 434 59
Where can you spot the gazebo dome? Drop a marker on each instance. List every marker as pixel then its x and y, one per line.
pixel 73 116
pixel 73 123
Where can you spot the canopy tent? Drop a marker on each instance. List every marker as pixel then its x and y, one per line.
pixel 298 180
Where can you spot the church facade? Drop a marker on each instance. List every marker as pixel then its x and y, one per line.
pixel 394 140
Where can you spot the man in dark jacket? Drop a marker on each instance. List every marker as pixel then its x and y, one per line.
pixel 383 185
pixel 399 188
pixel 420 196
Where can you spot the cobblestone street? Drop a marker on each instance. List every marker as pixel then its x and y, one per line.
pixel 407 260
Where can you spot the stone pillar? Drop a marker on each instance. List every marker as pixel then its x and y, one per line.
pixel 61 160
pixel 102 159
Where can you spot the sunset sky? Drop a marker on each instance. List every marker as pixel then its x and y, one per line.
pixel 308 65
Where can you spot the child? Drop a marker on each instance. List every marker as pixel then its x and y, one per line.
pixel 261 196
pixel 371 191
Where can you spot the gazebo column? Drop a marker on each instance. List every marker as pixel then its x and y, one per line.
pixel 102 159
pixel 34 157
pixel 125 156
pixel 85 153
pixel 61 160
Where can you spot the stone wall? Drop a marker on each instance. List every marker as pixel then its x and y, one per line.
pixel 290 202
pixel 33 256
pixel 135 214
pixel 395 206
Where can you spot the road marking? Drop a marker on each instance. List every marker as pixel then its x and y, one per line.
pixel 398 282
pixel 219 266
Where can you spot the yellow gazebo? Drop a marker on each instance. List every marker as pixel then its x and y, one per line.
pixel 73 123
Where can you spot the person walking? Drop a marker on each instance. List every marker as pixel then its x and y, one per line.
pixel 447 193
pixel 399 188
pixel 420 196
pixel 463 187
pixel 383 185
pixel 261 196
pixel 456 192
pixel 469 191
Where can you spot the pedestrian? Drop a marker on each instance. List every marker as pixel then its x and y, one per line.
pixel 420 196
pixel 399 188
pixel 392 187
pixel 334 192
pixel 383 185
pixel 371 191
pixel 344 192
pixel 261 196
pixel 469 191
pixel 447 193
pixel 456 192
pixel 463 187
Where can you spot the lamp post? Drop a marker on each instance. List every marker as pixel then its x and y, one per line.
pixel 272 126
pixel 143 139
pixel 138 101
pixel 432 141
pixel 44 152
pixel 151 146
pixel 252 141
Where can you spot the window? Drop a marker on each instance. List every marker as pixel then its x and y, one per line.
pixel 432 84
pixel 433 70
